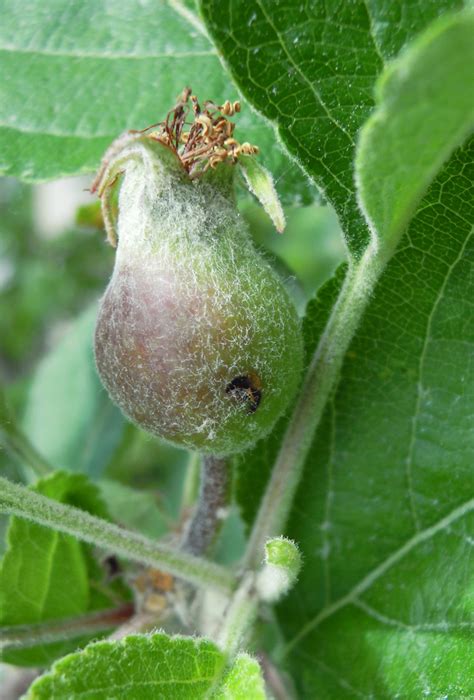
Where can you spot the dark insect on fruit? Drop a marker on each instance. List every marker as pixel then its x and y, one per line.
pixel 246 388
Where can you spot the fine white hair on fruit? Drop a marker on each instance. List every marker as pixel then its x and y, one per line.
pixel 192 306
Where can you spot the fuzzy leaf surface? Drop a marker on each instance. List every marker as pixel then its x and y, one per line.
pixel 244 681
pixel 69 417
pixel 150 666
pixel 46 575
pixel 425 109
pixel 310 68
pixel 76 75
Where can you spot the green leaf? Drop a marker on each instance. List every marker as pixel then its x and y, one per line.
pixel 45 575
pixel 68 417
pixel 139 666
pixel 385 511
pixel 136 510
pixel 310 69
pixel 67 94
pixel 151 666
pixel 425 109
pixel 260 183
pixel 244 681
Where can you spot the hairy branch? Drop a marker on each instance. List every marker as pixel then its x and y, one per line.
pixel 23 502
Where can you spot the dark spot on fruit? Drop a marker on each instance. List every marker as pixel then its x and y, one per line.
pixel 246 388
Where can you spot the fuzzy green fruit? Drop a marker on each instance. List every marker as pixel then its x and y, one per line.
pixel 196 340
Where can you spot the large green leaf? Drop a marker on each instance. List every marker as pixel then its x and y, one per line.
pixel 69 417
pixel 46 575
pixel 384 515
pixel 310 69
pixel 75 75
pixel 151 666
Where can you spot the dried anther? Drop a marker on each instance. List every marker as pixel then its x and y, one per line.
pixel 205 141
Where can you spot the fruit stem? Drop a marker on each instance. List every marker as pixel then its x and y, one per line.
pixel 320 381
pixel 21 501
pixel 210 511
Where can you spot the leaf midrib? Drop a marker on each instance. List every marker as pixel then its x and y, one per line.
pixel 11 48
pixel 57 134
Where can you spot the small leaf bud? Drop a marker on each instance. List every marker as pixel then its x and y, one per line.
pixel 281 569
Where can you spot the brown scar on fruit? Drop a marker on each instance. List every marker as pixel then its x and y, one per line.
pixel 246 388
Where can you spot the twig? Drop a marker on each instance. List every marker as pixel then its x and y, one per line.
pixel 23 636
pixel 25 503
pixel 320 380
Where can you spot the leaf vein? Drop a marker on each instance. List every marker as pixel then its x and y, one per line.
pixel 419 384
pixel 366 583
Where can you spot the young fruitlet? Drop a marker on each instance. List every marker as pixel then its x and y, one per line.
pixel 196 338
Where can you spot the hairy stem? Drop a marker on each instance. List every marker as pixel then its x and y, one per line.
pixel 17 444
pixel 213 498
pixel 22 636
pixel 239 617
pixel 25 503
pixel 320 380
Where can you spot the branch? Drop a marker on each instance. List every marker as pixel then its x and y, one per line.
pixel 23 636
pixel 25 503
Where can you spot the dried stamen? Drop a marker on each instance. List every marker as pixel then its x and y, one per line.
pixel 207 140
